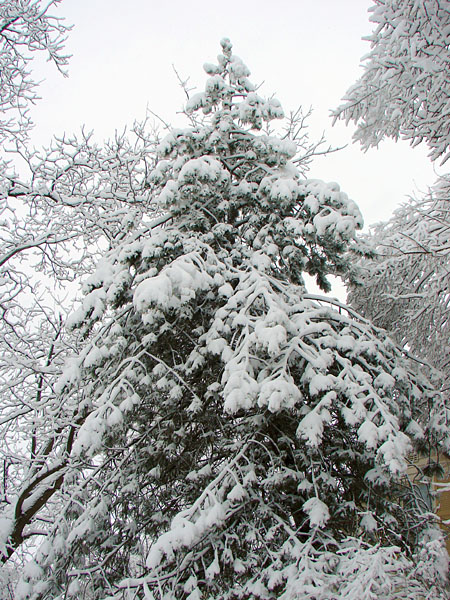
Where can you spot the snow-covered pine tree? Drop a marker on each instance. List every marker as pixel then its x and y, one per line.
pixel 239 438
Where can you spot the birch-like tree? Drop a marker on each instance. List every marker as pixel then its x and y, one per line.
pixel 234 436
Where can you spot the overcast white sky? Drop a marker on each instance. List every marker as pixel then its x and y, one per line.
pixel 306 52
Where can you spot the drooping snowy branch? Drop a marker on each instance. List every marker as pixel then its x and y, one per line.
pixel 405 87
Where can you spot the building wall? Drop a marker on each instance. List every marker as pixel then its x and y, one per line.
pixel 442 501
pixel 440 498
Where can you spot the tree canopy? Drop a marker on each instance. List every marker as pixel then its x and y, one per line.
pixel 405 88
pixel 404 93
pixel 27 28
pixel 406 284
pixel 232 435
pixel 201 426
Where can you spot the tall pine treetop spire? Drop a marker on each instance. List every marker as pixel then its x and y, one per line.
pixel 223 175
